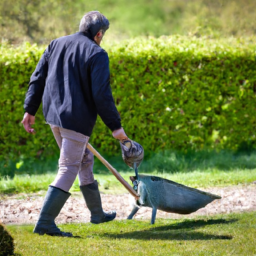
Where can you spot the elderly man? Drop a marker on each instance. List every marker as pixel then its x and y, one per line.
pixel 72 81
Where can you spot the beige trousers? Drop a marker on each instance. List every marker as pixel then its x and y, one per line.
pixel 74 159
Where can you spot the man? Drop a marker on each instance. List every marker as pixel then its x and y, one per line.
pixel 72 81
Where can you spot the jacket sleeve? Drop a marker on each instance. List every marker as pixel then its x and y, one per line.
pixel 101 91
pixel 36 85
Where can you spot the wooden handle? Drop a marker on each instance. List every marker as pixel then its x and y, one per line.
pixel 114 171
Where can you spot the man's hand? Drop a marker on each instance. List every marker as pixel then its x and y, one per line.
pixel 120 134
pixel 27 121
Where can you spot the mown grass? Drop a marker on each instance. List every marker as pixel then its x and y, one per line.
pixel 195 169
pixel 109 184
pixel 232 234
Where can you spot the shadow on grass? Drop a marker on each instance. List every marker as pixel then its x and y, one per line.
pixel 77 237
pixel 180 231
pixel 185 235
pixel 193 224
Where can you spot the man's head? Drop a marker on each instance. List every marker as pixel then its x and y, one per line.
pixel 94 23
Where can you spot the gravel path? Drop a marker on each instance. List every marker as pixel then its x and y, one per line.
pixel 22 208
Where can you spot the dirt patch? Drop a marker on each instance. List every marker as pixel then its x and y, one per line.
pixel 21 209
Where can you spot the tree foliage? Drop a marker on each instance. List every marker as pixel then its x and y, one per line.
pixel 37 21
pixel 42 21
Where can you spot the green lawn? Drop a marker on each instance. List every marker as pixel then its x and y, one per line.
pixel 232 234
pixel 109 184
pixel 196 169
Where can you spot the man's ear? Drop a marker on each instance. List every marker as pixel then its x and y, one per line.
pixel 99 34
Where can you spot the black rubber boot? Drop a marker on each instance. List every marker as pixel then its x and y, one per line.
pixel 93 201
pixel 53 203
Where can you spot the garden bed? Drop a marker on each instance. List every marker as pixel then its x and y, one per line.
pixel 25 208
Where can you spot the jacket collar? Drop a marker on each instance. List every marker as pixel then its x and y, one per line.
pixel 87 34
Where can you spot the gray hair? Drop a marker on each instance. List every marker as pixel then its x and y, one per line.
pixel 93 22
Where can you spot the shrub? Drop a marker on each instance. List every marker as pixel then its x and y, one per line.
pixel 184 93
pixel 6 242
pixel 172 93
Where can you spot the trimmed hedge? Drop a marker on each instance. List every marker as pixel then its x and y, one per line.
pixel 172 93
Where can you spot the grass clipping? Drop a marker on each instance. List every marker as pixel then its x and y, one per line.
pixel 6 242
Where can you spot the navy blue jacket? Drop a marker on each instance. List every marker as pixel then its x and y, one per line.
pixel 72 80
